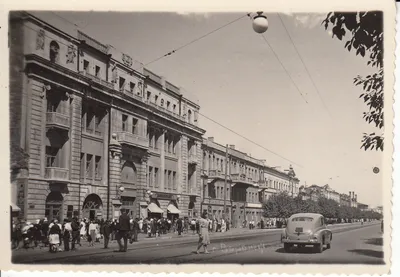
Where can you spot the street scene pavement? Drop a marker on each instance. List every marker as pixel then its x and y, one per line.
pixel 352 243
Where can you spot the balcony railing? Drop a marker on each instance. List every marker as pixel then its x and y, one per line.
pixel 162 109
pixel 192 158
pixel 57 120
pixel 216 173
pixel 99 80
pixel 133 139
pixel 239 177
pixel 56 173
pixel 170 154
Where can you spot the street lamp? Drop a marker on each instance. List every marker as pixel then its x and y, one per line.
pixel 260 23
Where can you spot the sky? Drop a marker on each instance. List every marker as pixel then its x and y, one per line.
pixel 240 83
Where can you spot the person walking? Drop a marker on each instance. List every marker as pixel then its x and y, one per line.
pixel 67 234
pixel 123 232
pixel 106 231
pixel 75 233
pixel 92 232
pixel 179 224
pixel 135 230
pixel 204 238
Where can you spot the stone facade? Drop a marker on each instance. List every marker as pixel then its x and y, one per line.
pixel 85 114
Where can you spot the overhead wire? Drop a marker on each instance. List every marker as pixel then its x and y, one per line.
pixel 249 140
pixel 220 124
pixel 304 65
pixel 195 40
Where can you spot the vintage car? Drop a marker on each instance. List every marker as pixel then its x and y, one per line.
pixel 306 229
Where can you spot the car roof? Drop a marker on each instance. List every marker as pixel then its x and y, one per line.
pixel 313 215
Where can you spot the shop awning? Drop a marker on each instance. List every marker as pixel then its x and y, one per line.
pixel 153 208
pixel 15 208
pixel 173 210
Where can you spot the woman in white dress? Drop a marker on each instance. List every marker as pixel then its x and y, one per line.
pixel 204 238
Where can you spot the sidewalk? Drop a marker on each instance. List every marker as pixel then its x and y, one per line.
pixel 169 239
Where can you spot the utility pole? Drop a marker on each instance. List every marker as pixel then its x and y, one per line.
pixel 226 180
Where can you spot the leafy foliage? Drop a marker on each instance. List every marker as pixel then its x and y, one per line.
pixel 19 158
pixel 366 38
pixel 283 206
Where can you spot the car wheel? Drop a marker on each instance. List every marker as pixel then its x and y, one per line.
pixel 287 247
pixel 319 247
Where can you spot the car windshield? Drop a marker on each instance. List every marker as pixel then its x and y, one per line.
pixel 302 219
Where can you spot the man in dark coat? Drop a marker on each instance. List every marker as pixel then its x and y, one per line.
pixel 106 230
pixel 123 232
pixel 179 224
pixel 135 230
pixel 75 233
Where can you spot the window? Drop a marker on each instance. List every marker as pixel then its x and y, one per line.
pixel 189 116
pixel 51 156
pixel 155 99
pixel 82 165
pixel 170 179
pixel 156 177
pixel 121 84
pixel 54 52
pixel 89 168
pixel 148 95
pixel 132 86
pixel 134 125
pixel 86 66
pixel 97 71
pixel 162 102
pixel 168 104
pixel 70 211
pixel 174 179
pixel 150 176
pixel 98 168
pixel 124 123
pixel 166 179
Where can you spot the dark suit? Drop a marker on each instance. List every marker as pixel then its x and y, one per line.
pixel 123 232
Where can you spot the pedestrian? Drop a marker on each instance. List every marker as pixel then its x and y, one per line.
pixel 204 238
pixel 135 230
pixel 179 224
pixel 75 233
pixel 92 232
pixel 123 232
pixel 67 234
pixel 106 231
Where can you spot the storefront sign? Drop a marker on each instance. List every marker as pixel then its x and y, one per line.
pixel 163 195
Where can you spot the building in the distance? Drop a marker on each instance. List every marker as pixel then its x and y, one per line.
pixel 249 183
pixel 102 133
pixel 362 207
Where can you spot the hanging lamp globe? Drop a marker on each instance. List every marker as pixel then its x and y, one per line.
pixel 260 23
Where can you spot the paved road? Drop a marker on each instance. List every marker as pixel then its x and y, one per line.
pixel 351 244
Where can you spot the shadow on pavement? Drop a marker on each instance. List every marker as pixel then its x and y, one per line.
pixel 374 241
pixel 367 252
pixel 298 250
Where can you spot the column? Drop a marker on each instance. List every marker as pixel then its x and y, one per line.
pixel 207 165
pixel 162 157
pixel 179 170
pixel 115 152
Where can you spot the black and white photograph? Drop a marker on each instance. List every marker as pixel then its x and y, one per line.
pixel 251 137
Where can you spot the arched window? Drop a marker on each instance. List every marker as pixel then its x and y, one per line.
pixel 92 207
pixel 189 116
pixel 128 174
pixel 54 206
pixel 54 52
pixel 162 102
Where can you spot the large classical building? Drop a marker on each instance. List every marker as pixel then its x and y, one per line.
pixel 101 131
pixel 249 182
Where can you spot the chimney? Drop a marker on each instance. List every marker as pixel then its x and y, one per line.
pixel 232 146
pixel 355 197
pixel 211 139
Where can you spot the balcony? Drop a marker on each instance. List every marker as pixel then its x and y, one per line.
pixel 133 139
pixel 156 148
pixel 98 80
pixel 56 174
pixel 57 120
pixel 171 155
pixel 216 173
pixel 240 178
pixel 166 111
pixel 192 158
